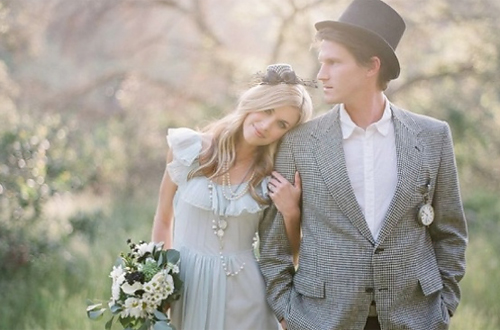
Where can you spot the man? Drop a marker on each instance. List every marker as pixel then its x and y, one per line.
pixel 383 228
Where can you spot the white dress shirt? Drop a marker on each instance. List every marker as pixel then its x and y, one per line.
pixel 371 164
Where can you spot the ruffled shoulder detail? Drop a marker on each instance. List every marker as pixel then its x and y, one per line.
pixel 186 146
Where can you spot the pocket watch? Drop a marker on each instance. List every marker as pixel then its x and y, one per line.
pixel 426 211
pixel 426 214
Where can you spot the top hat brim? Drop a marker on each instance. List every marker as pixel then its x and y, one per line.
pixel 364 35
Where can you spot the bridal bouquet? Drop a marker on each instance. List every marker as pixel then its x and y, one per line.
pixel 144 283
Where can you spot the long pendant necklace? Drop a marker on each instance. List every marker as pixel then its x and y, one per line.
pixel 220 225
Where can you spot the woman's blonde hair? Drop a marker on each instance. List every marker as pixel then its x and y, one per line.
pixel 226 131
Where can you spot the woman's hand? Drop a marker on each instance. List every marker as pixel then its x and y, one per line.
pixel 285 195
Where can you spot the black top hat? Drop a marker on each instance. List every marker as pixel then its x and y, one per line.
pixel 372 21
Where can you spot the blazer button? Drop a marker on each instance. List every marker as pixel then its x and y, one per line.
pixel 369 290
pixel 379 250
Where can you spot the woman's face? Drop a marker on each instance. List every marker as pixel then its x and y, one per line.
pixel 265 127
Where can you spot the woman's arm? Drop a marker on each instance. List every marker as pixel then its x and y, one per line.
pixel 163 220
pixel 286 197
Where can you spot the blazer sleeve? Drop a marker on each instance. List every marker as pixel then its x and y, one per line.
pixel 276 261
pixel 449 230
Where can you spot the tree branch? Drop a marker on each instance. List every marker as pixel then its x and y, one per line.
pixel 437 75
pixel 286 22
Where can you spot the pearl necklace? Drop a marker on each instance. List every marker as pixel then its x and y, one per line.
pixel 226 184
pixel 219 228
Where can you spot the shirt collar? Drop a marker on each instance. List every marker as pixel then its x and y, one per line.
pixel 382 126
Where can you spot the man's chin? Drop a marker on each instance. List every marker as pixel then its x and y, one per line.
pixel 329 100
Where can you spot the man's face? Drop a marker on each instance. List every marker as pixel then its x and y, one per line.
pixel 344 80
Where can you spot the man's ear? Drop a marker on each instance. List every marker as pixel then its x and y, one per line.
pixel 374 66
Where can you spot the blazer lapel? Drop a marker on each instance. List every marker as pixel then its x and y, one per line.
pixel 408 153
pixel 330 159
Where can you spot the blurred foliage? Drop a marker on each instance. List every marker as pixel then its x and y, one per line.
pixel 40 159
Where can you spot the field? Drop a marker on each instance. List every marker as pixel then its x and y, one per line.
pixel 52 294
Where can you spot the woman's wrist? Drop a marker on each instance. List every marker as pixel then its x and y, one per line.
pixel 292 214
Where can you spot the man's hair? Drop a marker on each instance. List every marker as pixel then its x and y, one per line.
pixel 360 48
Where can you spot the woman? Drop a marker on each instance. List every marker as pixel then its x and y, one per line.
pixel 215 186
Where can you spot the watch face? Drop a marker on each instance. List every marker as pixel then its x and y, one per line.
pixel 426 214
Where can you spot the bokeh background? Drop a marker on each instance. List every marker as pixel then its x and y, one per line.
pixel 88 89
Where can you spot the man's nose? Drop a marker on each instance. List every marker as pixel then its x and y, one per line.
pixel 322 75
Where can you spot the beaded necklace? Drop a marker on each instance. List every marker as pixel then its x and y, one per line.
pixel 220 225
pixel 226 184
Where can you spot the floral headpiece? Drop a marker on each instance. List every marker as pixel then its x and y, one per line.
pixel 282 74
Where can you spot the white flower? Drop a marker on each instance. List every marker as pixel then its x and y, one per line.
pixel 121 279
pixel 134 308
pixel 256 242
pixel 172 268
pixel 116 272
pixel 115 287
pixel 152 300
pixel 115 292
pixel 159 277
pixel 144 248
pixel 150 307
pixel 152 286
pixel 168 285
pixel 131 289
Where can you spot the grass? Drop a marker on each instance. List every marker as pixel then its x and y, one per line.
pixel 52 293
pixel 481 285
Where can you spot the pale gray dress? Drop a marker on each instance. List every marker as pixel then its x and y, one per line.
pixel 211 300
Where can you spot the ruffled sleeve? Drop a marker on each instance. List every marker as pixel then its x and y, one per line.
pixel 186 146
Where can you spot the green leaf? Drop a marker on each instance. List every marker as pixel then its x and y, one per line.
pixel 125 321
pixel 93 307
pixel 173 256
pixel 119 262
pixel 162 325
pixel 160 259
pixel 108 324
pixel 115 309
pixel 160 315
pixel 96 314
pixel 145 325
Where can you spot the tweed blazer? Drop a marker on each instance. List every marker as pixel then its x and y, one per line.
pixel 411 271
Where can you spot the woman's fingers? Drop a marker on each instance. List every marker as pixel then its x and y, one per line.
pixel 298 181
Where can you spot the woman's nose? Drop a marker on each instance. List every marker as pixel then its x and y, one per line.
pixel 266 124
